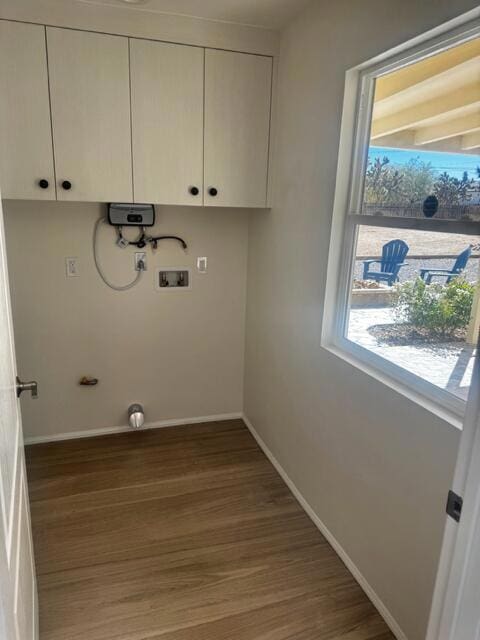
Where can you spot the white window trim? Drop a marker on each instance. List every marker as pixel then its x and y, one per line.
pixel 352 162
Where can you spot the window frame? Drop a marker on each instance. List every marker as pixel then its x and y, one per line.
pixel 347 216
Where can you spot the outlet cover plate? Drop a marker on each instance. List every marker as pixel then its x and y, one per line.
pixel 72 267
pixel 140 255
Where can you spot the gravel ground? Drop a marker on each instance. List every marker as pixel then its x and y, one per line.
pixel 412 270
pixel 372 239
pixel 446 365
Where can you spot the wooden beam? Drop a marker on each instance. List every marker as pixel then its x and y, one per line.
pixel 449 129
pixel 471 141
pixel 411 75
pixel 454 79
pixel 399 140
pixel 451 145
pixel 453 104
pixel 406 140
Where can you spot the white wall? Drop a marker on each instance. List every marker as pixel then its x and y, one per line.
pixel 178 353
pixel 374 466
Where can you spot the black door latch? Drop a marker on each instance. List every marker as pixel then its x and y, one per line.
pixel 454 505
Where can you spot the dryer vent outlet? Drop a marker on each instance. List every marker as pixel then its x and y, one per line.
pixel 136 416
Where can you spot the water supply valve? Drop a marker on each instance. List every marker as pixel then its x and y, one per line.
pixel 136 416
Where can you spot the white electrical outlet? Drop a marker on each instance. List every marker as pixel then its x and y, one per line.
pixel 140 256
pixel 202 265
pixel 71 267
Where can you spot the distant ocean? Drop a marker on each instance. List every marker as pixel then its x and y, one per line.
pixel 453 163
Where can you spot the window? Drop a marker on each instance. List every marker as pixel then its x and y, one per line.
pixel 407 301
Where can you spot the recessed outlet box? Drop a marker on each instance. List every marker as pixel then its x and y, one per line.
pixel 140 259
pixel 172 279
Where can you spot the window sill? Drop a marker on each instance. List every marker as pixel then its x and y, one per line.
pixel 431 398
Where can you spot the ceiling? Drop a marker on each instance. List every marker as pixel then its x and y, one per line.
pixel 269 14
pixel 433 104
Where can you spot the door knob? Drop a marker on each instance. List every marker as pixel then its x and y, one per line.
pixel 66 184
pixel 27 386
pixel 43 184
pixel 213 191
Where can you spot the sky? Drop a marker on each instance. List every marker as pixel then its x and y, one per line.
pixel 453 163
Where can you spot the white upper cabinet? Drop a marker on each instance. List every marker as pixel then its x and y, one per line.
pixel 104 118
pixel 26 160
pixel 167 122
pixel 90 100
pixel 237 124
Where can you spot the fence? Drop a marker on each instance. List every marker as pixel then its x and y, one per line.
pixel 469 212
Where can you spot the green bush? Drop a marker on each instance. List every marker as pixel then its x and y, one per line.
pixel 410 183
pixel 440 309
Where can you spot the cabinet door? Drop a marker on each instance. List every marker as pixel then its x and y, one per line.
pixel 167 122
pixel 26 155
pixel 237 124
pixel 90 95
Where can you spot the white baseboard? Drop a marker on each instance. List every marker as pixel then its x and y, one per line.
pixel 347 561
pixel 89 433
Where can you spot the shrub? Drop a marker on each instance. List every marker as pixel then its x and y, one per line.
pixel 452 191
pixel 409 184
pixel 440 309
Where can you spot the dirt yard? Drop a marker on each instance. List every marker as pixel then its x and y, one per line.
pixel 372 239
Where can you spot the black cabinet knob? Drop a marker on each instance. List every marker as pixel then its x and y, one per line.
pixel 212 191
pixel 194 191
pixel 66 184
pixel 43 184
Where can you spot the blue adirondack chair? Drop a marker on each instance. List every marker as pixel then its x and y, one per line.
pixel 449 274
pixel 393 256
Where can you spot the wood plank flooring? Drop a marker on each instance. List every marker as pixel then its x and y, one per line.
pixel 185 533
